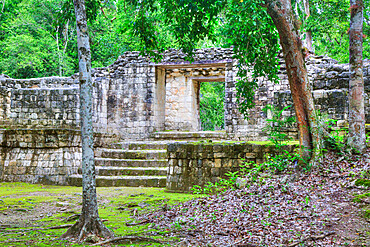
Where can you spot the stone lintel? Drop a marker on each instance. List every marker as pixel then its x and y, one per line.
pixel 195 64
pixel 208 78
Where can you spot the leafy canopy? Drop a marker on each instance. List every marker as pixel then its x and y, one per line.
pixel 244 25
pixel 329 24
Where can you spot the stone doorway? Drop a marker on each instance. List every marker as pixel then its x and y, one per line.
pixel 211 107
pixel 177 96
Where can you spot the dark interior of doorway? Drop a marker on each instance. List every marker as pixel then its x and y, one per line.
pixel 211 105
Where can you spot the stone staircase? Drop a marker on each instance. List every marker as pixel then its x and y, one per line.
pixel 129 164
pixel 190 135
pixel 139 163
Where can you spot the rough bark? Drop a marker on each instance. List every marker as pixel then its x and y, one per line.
pixel 356 121
pixel 89 221
pixel 284 20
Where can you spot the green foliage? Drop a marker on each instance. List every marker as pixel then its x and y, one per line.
pixel 250 31
pixel 282 161
pixel 38 38
pixel 362 182
pixel 29 47
pixel 335 141
pixel 359 198
pixel 211 105
pixel 223 184
pixel 329 23
pixel 276 164
pixel 277 125
pixel 276 128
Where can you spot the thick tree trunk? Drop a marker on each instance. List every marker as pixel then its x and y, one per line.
pixel 284 20
pixel 356 135
pixel 89 221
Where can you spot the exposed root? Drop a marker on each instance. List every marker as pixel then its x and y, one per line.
pixel 137 223
pixel 130 238
pixel 82 228
pixel 311 238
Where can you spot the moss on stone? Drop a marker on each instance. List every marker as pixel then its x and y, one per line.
pixel 270 143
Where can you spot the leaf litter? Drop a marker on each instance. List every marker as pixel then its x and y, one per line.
pixel 315 209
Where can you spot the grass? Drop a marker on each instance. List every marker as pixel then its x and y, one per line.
pixel 362 182
pixel 358 198
pixel 116 206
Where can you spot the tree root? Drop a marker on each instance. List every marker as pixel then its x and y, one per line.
pixel 84 227
pixel 130 238
pixel 311 238
pixel 137 223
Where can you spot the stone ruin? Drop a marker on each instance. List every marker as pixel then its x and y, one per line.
pixel 137 100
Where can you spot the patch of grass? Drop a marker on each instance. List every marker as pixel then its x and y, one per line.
pixel 367 213
pixel 362 182
pixel 117 206
pixel 7 189
pixel 359 197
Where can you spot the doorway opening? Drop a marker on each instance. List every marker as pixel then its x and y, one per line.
pixel 211 105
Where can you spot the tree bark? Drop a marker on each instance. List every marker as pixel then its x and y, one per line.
pixel 89 221
pixel 356 120
pixel 308 32
pixel 283 17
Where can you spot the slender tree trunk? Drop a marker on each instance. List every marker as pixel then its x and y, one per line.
pixel 89 221
pixel 356 135
pixel 308 32
pixel 60 60
pixel 284 20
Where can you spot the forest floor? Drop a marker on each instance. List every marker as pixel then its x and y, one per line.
pixel 326 206
pixel 322 207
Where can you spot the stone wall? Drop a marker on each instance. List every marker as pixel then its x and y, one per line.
pixel 197 163
pixel 46 156
pixel 45 108
pixel 330 82
pixel 37 102
pixel 134 97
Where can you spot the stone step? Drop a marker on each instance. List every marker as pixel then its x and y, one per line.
pixel 121 181
pixel 129 171
pixel 197 135
pixel 140 145
pixel 130 162
pixel 130 154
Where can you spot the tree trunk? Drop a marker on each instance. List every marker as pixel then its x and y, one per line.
pixel 89 221
pixel 285 22
pixel 356 135
pixel 308 32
